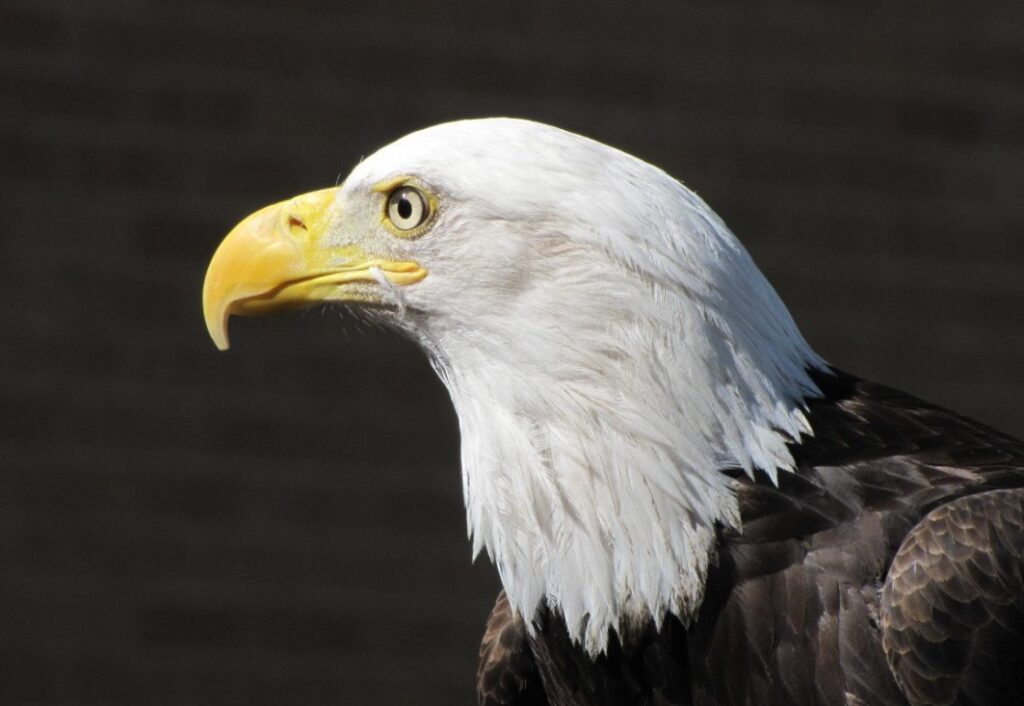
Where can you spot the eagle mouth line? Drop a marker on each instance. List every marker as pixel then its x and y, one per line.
pixel 398 273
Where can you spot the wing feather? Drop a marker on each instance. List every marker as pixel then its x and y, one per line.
pixel 953 603
pixel 507 674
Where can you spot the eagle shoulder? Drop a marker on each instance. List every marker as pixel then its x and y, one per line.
pixel 952 610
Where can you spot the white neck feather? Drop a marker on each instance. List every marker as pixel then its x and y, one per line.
pixel 594 433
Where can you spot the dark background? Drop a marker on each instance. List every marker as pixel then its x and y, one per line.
pixel 282 524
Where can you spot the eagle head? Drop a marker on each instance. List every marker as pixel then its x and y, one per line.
pixel 608 344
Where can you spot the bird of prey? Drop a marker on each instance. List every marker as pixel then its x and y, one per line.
pixel 684 502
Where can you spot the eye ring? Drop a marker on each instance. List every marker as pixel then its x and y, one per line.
pixel 407 208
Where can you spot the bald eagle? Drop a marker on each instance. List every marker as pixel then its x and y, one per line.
pixel 685 504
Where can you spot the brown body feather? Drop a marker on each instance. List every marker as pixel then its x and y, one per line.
pixel 887 570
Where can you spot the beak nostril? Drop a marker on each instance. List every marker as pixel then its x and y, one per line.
pixel 294 222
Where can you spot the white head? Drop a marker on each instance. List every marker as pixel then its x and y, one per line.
pixel 608 345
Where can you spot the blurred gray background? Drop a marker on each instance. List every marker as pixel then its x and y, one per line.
pixel 282 523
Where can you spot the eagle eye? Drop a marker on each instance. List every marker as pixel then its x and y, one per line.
pixel 407 208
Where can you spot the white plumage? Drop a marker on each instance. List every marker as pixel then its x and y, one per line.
pixel 608 345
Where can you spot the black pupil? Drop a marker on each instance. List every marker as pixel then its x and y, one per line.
pixel 404 206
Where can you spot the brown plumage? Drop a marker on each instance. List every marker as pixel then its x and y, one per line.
pixel 886 570
pixel 953 609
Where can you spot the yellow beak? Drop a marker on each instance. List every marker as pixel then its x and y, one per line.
pixel 275 260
